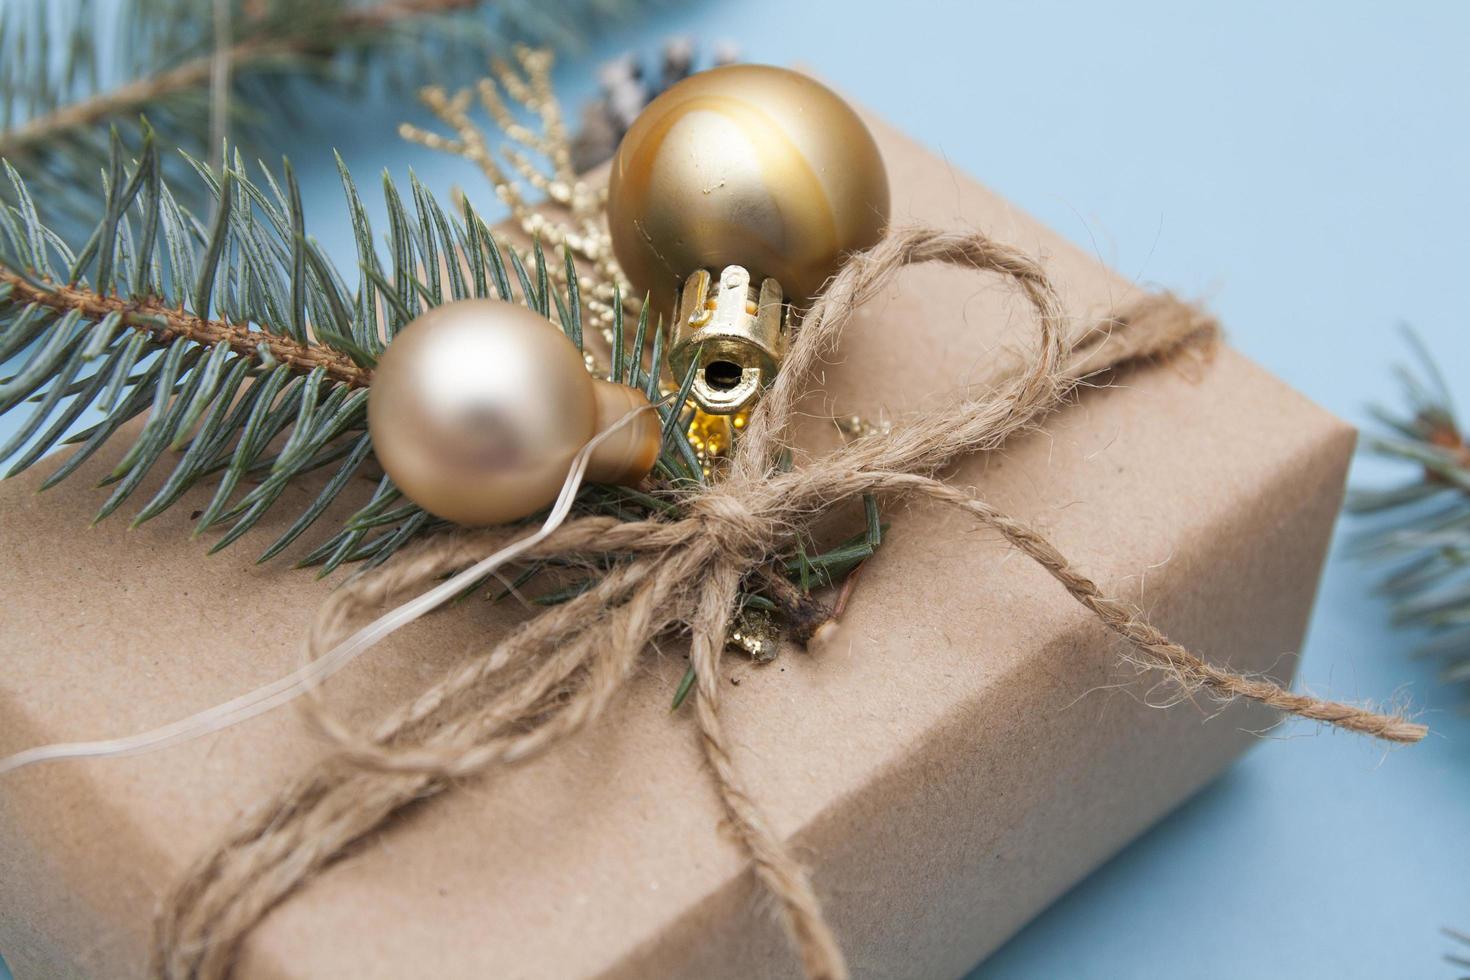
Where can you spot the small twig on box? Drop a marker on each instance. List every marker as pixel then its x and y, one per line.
pixel 849 585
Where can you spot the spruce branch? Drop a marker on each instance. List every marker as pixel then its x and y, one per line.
pixel 1460 958
pixel 161 56
pixel 165 324
pixel 1426 534
pixel 235 336
pixel 267 41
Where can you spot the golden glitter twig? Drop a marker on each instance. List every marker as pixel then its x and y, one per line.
pixel 538 159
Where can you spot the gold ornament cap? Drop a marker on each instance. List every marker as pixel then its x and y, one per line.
pixel 736 333
pixel 477 408
pixel 742 172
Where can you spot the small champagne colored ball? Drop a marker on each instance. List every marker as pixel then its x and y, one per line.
pixel 745 165
pixel 477 408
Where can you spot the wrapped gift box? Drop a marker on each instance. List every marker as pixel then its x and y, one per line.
pixel 968 748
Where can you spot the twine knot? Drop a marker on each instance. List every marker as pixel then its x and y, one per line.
pixel 725 516
pixel 558 672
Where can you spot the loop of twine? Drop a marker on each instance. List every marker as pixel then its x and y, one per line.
pixel 556 674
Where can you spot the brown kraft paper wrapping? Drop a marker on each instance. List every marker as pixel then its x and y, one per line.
pixel 968 747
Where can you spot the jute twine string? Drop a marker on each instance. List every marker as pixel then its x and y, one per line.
pixel 556 674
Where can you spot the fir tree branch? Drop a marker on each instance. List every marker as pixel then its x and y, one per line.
pixel 1425 533
pixel 242 349
pixel 236 339
pixel 133 98
pixel 165 324
pixel 69 69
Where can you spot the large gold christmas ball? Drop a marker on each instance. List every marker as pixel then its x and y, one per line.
pixel 477 408
pixel 745 165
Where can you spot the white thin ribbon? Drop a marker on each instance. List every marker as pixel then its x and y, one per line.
pixel 313 672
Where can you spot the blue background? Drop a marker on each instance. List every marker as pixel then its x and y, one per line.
pixel 1306 170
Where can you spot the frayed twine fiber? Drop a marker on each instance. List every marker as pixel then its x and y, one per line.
pixel 556 674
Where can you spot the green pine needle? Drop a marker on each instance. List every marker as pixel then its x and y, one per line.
pixel 685 686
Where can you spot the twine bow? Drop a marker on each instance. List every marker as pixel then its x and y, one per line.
pixel 557 673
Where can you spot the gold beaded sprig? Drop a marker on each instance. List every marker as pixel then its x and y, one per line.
pixel 855 427
pixel 574 213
